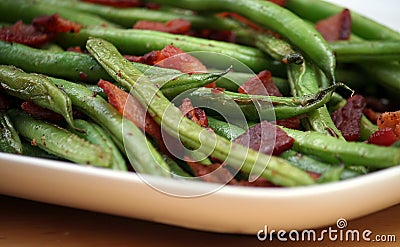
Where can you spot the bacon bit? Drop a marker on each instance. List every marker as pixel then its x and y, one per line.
pixel 383 137
pixel 177 26
pixel 197 115
pixel 314 175
pixel 259 182
pixel 153 6
pixel 54 23
pixel 336 27
pixel 40 112
pixel 116 3
pixel 281 3
pixel 217 90
pixel 131 109
pixel 76 49
pixel 348 118
pixel 291 123
pixel 215 173
pixel 171 57
pixel 262 84
pixel 25 34
pixel 266 138
pixel 82 76
pixel 390 120
pixel 371 114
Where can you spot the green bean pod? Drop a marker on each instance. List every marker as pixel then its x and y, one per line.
pixel 334 150
pixel 127 17
pixel 363 51
pixel 224 129
pixel 96 135
pixel 332 175
pixel 385 73
pixel 308 163
pixel 134 145
pixel 276 18
pixel 303 81
pixel 82 67
pixel 260 107
pixel 58 141
pixel 9 138
pixel 135 41
pixel 366 28
pixel 15 10
pixel 36 88
pixel 192 135
pixel 35 151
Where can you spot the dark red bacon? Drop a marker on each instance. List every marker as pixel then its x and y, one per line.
pixel 336 27
pixel 177 26
pixel 262 84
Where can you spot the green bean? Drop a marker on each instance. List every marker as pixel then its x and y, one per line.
pixel 68 65
pixel 58 141
pixel 386 73
pixel 277 171
pixel 9 141
pixel 127 17
pixel 303 81
pixel 96 135
pixel 333 150
pixel 277 48
pixel 276 18
pixel 125 134
pixel 224 129
pixel 350 51
pixel 308 163
pixel 260 107
pixel 332 175
pixel 36 88
pixel 366 28
pixel 14 10
pixel 35 151
pixel 176 170
pixel 135 41
pixel 82 67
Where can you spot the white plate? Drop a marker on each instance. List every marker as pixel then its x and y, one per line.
pixel 230 209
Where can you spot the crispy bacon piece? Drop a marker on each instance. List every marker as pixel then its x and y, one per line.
pixel 259 182
pixel 215 173
pixel 336 27
pixel 197 115
pixel 54 23
pixel 25 34
pixel 383 137
pixel 281 3
pixel 241 19
pixel 348 118
pixel 116 3
pixel 40 112
pixel 291 123
pixel 371 114
pixel 177 26
pixel 266 138
pixel 132 110
pixel 390 120
pixel 262 84
pixel 173 58
pixel 76 49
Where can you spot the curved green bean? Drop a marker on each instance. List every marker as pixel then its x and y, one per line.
pixel 135 41
pixel 58 141
pixel 278 171
pixel 260 107
pixel 36 88
pixel 276 18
